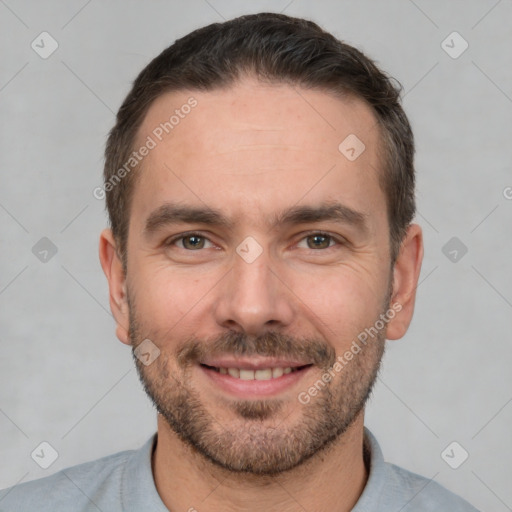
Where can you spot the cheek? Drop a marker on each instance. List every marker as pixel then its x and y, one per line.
pixel 342 303
pixel 164 297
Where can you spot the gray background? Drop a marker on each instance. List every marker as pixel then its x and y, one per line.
pixel 67 380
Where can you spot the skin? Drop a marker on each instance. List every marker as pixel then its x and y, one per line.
pixel 251 151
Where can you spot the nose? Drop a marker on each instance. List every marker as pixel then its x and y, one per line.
pixel 253 297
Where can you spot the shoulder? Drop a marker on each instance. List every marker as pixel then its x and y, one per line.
pixel 392 488
pixel 419 493
pixel 83 487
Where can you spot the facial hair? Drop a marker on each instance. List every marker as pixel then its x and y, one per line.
pixel 258 441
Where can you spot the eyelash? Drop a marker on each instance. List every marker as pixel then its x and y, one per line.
pixel 338 241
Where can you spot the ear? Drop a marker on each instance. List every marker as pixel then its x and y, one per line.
pixel 113 269
pixel 406 273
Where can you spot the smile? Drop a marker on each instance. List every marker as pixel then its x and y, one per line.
pixel 254 380
pixel 260 374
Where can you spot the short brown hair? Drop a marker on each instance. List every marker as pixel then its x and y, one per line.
pixel 279 49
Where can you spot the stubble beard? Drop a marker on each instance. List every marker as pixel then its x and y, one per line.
pixel 259 441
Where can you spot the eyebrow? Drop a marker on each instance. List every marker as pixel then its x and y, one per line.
pixel 172 213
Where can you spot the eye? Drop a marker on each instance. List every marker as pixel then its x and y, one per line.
pixel 195 241
pixel 319 240
pixel 189 241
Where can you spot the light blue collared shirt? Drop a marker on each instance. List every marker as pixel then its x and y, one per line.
pixel 123 482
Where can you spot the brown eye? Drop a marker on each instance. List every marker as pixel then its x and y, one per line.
pixel 190 242
pixel 193 242
pixel 319 241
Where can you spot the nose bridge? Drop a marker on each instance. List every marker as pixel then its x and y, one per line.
pixel 252 297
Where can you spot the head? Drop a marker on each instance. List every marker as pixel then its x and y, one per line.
pixel 260 188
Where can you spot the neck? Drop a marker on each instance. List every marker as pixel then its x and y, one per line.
pixel 185 480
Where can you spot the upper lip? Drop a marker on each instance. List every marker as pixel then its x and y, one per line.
pixel 253 363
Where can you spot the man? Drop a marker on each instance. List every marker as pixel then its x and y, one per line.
pixel 260 187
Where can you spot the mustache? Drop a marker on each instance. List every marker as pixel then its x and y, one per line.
pixel 269 344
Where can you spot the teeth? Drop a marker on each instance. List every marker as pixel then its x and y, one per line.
pixel 277 372
pixel 234 372
pixel 246 374
pixel 263 374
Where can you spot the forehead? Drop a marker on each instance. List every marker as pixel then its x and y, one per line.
pixel 253 146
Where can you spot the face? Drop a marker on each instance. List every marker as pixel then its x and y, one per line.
pixel 257 254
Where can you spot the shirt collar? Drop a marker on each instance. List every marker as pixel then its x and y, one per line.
pixel 369 499
pixel 138 490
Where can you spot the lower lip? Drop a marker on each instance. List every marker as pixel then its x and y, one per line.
pixel 254 388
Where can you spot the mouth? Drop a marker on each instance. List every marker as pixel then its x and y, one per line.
pixel 258 374
pixel 246 379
